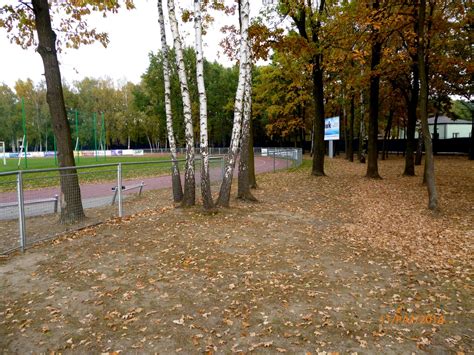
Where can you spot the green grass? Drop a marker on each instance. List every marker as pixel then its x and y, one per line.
pixel 48 163
pixel 306 164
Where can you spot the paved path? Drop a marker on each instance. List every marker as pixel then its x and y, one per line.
pixel 100 194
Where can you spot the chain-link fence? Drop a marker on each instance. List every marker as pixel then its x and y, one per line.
pixel 37 205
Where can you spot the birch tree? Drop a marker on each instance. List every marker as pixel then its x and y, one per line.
pixel 224 193
pixel 205 180
pixel 175 175
pixel 243 191
pixel 189 197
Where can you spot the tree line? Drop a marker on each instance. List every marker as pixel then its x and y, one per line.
pixel 372 62
pixel 377 64
pixel 134 113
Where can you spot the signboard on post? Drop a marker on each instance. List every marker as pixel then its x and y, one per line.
pixel 331 129
pixel 331 132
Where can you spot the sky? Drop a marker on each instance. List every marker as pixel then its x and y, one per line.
pixel 133 35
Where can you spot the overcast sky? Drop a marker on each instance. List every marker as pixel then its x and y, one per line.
pixel 133 34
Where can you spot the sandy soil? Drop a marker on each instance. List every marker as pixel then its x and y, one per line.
pixel 335 264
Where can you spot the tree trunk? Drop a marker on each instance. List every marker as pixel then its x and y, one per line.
pixel 71 203
pixel 345 127
pixel 205 179
pixel 350 138
pixel 360 150
pixel 429 160
pixel 175 174
pixel 149 143
pixel 419 149
pixel 471 150
pixel 243 190
pixel 412 105
pixel 435 132
pixel 224 193
pixel 319 146
pixel 252 177
pixel 189 197
pixel 388 129
pixel 372 159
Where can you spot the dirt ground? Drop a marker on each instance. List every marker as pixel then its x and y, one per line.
pixel 333 264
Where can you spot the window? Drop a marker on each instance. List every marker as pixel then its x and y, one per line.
pixel 455 135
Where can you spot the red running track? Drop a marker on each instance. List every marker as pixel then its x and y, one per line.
pixel 94 190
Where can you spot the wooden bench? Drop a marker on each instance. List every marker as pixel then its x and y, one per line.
pixel 127 188
pixel 54 200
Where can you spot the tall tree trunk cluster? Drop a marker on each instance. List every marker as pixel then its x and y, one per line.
pixel 175 175
pixel 242 115
pixel 205 179
pixel 244 182
pixel 244 68
pixel 189 196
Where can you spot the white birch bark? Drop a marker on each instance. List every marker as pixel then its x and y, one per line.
pixel 224 193
pixel 205 179
pixel 175 175
pixel 189 179
pixel 243 191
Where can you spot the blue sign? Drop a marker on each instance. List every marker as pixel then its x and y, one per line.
pixel 331 129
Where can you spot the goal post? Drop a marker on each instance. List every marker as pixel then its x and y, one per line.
pixel 3 153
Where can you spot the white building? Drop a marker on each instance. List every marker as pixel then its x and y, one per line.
pixel 448 128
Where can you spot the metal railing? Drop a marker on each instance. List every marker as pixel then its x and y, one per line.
pixel 35 204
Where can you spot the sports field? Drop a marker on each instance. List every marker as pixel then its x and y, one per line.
pixel 51 163
pixel 98 170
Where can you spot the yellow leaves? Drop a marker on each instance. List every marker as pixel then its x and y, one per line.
pixel 280 256
pixel 228 322
pixel 187 15
pixel 68 16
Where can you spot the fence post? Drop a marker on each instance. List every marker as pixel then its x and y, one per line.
pixel 21 210
pixel 119 189
pixel 287 159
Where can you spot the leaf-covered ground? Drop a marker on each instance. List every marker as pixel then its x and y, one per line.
pixel 333 264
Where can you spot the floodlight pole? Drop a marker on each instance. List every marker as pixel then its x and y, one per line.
pixel 21 211
pixel 24 143
pixel 77 134
pixel 94 117
pixel 103 135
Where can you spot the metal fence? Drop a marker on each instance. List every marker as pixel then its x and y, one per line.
pixel 37 205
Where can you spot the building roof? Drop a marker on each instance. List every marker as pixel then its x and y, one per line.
pixel 446 120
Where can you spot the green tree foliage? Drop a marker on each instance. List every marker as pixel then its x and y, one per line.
pixel 282 92
pixel 221 84
pixel 11 127
pixel 462 110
